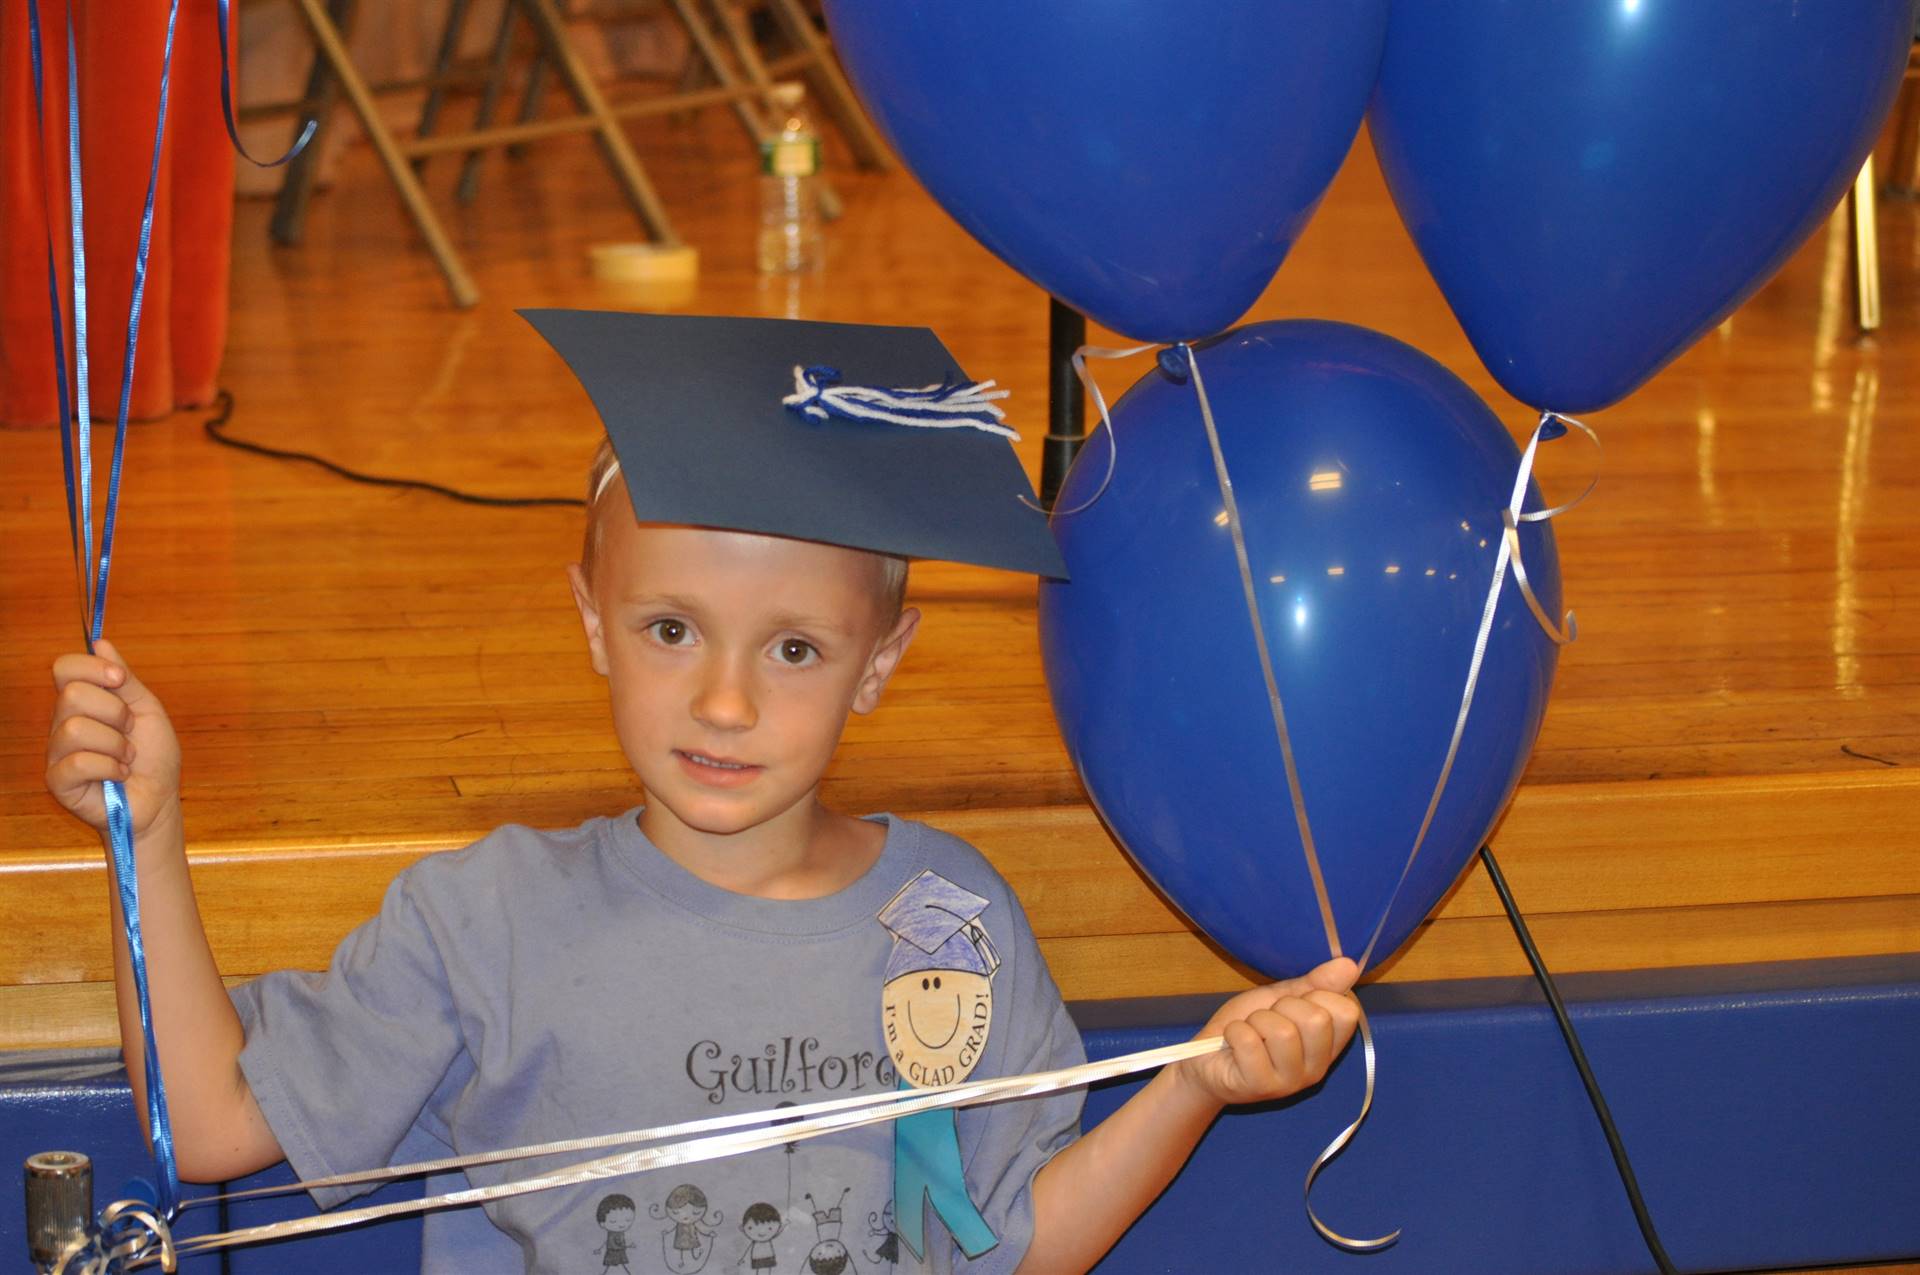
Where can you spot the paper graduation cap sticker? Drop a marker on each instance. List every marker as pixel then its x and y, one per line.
pixel 936 1006
pixel 936 1000
pixel 867 454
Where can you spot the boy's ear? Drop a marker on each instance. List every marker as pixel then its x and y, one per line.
pixel 589 617
pixel 885 659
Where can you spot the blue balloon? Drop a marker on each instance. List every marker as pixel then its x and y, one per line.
pixel 1596 183
pixel 1372 485
pixel 1148 164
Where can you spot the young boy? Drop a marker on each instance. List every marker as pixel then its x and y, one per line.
pixel 732 944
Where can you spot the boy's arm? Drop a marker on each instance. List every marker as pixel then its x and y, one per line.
pixel 1279 1040
pixel 107 725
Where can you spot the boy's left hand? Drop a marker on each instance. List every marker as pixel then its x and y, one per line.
pixel 1281 1038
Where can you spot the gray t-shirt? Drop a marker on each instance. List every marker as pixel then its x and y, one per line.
pixel 546 985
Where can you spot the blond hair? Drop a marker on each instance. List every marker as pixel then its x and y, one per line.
pixel 606 467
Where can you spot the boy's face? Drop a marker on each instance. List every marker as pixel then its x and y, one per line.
pixel 732 662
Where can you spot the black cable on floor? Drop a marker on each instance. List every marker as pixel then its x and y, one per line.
pixel 216 430
pixel 1552 991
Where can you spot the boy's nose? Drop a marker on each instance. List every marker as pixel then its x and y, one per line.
pixel 725 699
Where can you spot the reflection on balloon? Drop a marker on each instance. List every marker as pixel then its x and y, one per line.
pixel 1594 186
pixel 1371 483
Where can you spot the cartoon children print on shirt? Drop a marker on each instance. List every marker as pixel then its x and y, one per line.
pixel 828 1256
pixel 615 1215
pixel 760 1224
pixel 880 1227
pixel 936 1007
pixel 688 1243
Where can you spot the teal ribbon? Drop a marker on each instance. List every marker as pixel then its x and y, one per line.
pixel 926 1165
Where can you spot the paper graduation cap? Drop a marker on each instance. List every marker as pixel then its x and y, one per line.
pixel 697 411
pixel 934 927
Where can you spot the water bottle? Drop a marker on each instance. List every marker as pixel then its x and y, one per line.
pixel 789 187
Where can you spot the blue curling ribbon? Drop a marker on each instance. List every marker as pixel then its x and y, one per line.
pixel 159 1124
pixel 77 236
pixel 133 316
pixel 226 103
pixel 77 466
pixel 926 1165
pixel 53 300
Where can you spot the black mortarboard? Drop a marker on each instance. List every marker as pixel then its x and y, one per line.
pixel 804 429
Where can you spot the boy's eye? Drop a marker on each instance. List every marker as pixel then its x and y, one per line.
pixel 794 651
pixel 669 632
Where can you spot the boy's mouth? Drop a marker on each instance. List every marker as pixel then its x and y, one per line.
pixel 709 768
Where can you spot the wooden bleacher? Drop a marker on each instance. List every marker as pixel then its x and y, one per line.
pixel 1727 771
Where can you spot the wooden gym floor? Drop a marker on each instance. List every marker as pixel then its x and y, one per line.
pixel 1727 771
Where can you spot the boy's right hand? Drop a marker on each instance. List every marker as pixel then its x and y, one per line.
pixel 108 725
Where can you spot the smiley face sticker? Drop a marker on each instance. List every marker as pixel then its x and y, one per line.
pixel 936 1004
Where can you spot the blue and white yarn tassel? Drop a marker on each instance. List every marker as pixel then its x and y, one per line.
pixel 818 393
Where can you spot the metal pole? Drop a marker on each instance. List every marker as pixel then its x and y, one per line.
pixel 1066 400
pixel 59 1205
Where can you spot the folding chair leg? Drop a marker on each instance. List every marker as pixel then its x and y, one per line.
pixel 613 142
pixel 303 170
pixel 496 84
pixel 327 37
pixel 442 63
pixel 1903 170
pixel 831 87
pixel 1866 249
pixel 715 62
pixel 530 101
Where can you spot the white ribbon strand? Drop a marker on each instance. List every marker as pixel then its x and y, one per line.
pixel 783 1127
pixel 1508 556
pixel 1080 357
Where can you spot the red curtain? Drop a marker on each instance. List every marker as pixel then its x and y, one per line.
pixel 118 48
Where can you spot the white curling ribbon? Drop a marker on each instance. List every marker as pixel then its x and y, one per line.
pixel 1092 386
pixel 1298 797
pixel 128 1233
pixel 785 1124
pixel 1338 1145
pixel 1508 557
pixel 969 405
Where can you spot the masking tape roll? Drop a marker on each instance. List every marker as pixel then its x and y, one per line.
pixel 645 262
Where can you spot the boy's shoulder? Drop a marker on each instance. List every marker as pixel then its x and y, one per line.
pixel 954 858
pixel 509 865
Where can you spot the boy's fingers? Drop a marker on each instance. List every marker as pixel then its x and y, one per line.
pixel 84 699
pixel 1282 1045
pixel 73 773
pixel 1343 1009
pixel 87 735
pixel 1336 975
pixel 96 670
pixel 129 686
pixel 1314 1026
pixel 1250 1054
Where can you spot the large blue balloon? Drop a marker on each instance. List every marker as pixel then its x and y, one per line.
pixel 1372 483
pixel 1596 183
pixel 1149 164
